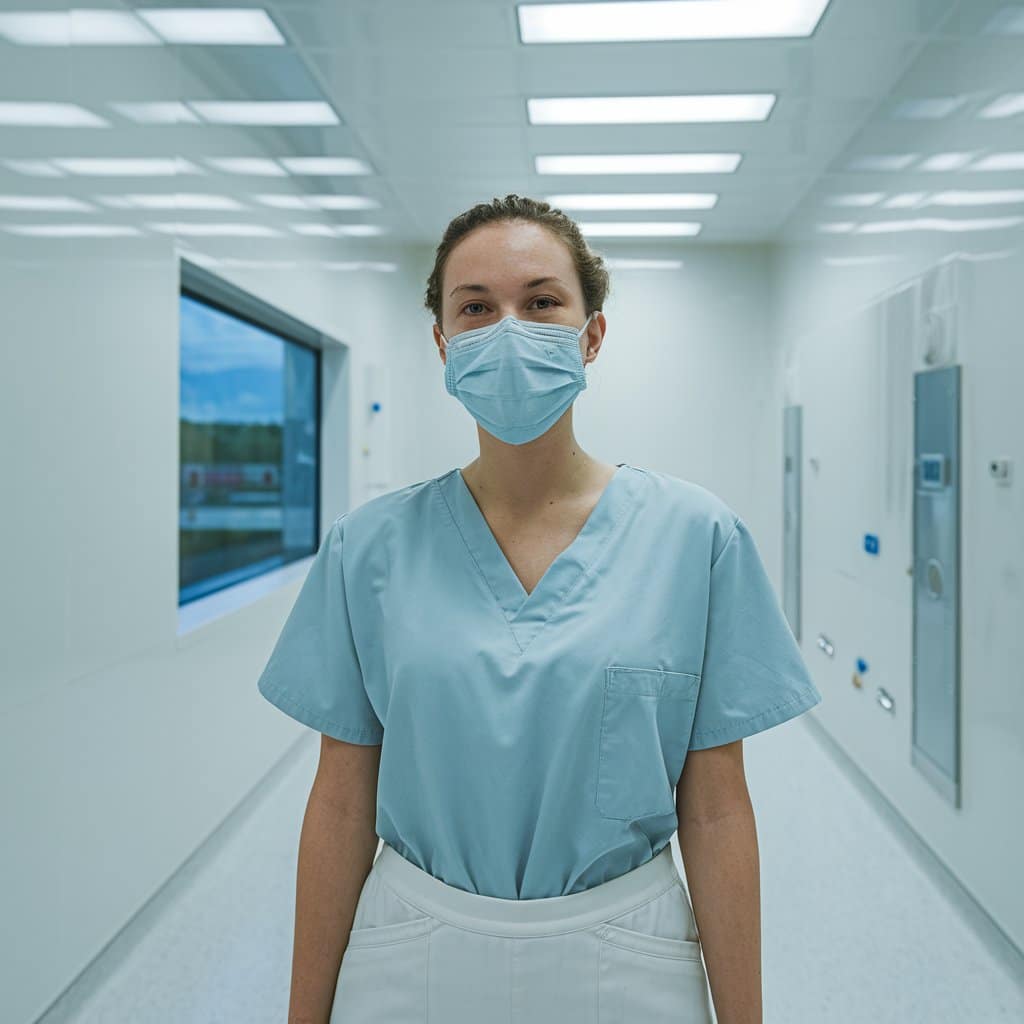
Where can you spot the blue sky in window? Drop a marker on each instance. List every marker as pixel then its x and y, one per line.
pixel 231 370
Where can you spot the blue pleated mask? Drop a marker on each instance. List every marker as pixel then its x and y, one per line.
pixel 516 377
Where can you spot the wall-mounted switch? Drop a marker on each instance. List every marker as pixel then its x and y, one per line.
pixel 1001 470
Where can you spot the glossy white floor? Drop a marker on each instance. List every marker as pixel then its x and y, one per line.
pixel 857 929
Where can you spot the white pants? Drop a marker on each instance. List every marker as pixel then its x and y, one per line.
pixel 425 952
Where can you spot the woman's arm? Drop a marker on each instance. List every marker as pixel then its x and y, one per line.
pixel 718 843
pixel 336 850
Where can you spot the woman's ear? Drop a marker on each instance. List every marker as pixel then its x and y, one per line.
pixel 593 347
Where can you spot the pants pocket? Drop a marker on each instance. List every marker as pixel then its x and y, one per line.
pixel 650 964
pixel 383 974
pixel 637 983
pixel 645 731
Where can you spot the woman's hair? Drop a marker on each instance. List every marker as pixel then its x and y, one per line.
pixel 590 267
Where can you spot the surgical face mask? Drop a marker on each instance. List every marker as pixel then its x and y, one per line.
pixel 516 377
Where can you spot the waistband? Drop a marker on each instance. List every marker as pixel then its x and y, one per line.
pixel 546 916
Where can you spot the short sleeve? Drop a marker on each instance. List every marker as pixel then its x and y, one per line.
pixel 753 676
pixel 313 673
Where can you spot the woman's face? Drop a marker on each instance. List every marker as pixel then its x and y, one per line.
pixel 513 268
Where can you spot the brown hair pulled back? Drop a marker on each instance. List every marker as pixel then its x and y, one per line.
pixel 590 266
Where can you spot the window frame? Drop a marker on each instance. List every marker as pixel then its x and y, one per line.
pixel 200 285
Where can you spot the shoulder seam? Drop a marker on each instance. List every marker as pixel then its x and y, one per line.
pixel 732 533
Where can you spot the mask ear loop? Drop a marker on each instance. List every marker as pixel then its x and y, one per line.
pixel 580 332
pixel 586 323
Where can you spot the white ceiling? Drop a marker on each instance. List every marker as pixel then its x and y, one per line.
pixel 433 94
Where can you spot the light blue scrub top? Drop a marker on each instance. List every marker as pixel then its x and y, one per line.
pixel 532 742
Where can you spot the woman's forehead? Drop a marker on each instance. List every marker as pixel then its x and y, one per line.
pixel 513 250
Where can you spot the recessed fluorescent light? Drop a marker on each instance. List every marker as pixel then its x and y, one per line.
pixel 929 109
pixel 116 202
pixel 946 162
pixel 214 26
pixel 623 263
pixel 857 261
pixel 170 112
pixel 60 204
pixel 939 224
pixel 836 227
pixel 127 167
pixel 171 201
pixel 35 168
pixel 1009 105
pixel 359 230
pixel 71 230
pixel 992 197
pixel 905 201
pixel 646 229
pixel 330 201
pixel 650 163
pixel 252 165
pixel 358 265
pixel 337 202
pixel 49 115
pixel 636 201
pixel 326 230
pixel 954 197
pixel 202 230
pixel 883 162
pixel 1000 162
pixel 281 112
pixel 667 19
pixel 75 28
pixel 285 201
pixel 650 109
pixel 336 230
pixel 325 165
pixel 856 199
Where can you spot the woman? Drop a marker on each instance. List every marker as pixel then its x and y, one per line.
pixel 509 664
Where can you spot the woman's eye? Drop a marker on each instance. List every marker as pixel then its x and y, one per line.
pixel 472 308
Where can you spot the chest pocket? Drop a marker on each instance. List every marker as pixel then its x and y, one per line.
pixel 645 732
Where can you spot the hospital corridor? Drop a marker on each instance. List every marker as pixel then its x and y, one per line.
pixel 512 512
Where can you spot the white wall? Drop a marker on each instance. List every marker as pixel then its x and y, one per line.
pixel 827 328
pixel 123 745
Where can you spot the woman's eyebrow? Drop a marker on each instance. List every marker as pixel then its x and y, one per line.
pixel 483 288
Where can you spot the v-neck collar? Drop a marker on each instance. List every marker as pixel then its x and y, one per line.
pixel 527 613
